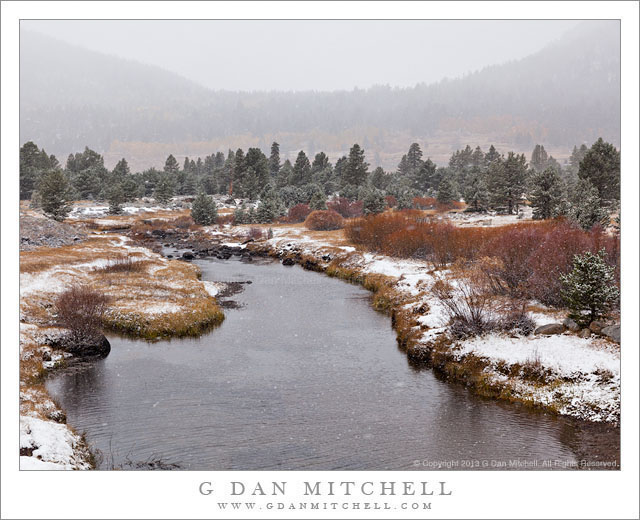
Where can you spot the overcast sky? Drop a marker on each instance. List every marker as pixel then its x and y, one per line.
pixel 310 55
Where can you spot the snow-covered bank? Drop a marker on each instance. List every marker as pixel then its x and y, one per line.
pixel 154 296
pixel 578 377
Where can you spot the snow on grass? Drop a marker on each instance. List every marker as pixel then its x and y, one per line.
pixel 49 442
pixel 567 355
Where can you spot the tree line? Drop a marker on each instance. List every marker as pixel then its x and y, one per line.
pixel 586 189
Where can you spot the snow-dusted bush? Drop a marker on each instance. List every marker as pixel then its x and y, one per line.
pixel 324 220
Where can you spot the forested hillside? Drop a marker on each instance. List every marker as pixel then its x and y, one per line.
pixel 565 94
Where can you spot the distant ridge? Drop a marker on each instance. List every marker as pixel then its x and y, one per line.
pixel 565 94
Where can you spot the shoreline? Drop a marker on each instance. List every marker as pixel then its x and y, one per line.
pixel 400 288
pixel 160 298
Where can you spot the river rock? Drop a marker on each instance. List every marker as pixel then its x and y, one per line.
pixel 596 326
pixel 288 261
pixel 584 333
pixel 571 325
pixel 612 332
pixel 550 328
pixel 188 255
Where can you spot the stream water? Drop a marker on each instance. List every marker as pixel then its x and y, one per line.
pixel 303 374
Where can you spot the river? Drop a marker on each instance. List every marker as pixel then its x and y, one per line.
pixel 302 375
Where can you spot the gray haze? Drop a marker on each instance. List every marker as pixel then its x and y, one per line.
pixel 310 55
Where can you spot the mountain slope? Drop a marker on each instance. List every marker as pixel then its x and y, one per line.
pixel 565 94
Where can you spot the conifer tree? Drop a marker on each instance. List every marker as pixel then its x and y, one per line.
pixel 164 189
pixel 301 170
pixel 547 194
pixel 539 158
pixel 475 192
pixel 446 190
pixel 116 197
pixel 587 209
pixel 54 194
pixel 318 201
pixel 356 169
pixel 601 166
pixel 203 210
pixel 589 290
pixel 274 160
pixel 373 202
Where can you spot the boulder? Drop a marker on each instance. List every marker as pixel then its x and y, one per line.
pixel 584 333
pixel 612 332
pixel 596 326
pixel 98 346
pixel 571 325
pixel 188 255
pixel 550 328
pixel 288 261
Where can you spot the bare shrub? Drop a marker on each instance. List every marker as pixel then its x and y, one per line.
pixel 468 305
pixel 346 207
pixel 183 222
pixel 324 220
pixel 519 322
pixel 80 310
pixel 254 233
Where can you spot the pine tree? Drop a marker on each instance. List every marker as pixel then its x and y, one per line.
pixel 373 202
pixel 601 166
pixel 379 179
pixel 116 198
pixel 53 190
pixel 507 180
pixel 30 169
pixel 318 201
pixel 405 200
pixel 539 158
pixel 301 170
pixel 270 207
pixel 492 155
pixel 274 160
pixel 586 206
pixel 356 169
pixel 240 215
pixel 589 290
pixel 203 210
pixel 414 158
pixel 547 194
pixel 171 166
pixel 425 177
pixel 164 189
pixel 446 190
pixel 121 171
pixel 475 192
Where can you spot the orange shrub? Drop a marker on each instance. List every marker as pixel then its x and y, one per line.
pixel 524 259
pixel 324 220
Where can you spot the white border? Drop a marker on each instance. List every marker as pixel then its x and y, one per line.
pixel 175 495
